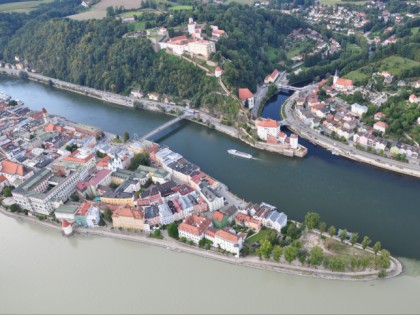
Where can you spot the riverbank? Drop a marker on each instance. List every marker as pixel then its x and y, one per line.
pixel 146 104
pixel 344 150
pixel 253 262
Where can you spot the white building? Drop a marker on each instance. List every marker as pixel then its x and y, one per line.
pixel 202 47
pixel 358 109
pixel 267 127
pixel 213 200
pixel 229 241
pixel 276 220
pixel 245 95
pixel 294 141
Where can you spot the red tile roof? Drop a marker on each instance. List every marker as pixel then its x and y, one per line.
pixel 227 236
pixel 194 225
pixel 12 168
pixel 128 212
pixel 218 216
pixel 244 94
pixel 267 123
pixel 83 209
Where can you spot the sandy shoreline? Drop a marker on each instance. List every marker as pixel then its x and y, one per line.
pixel 251 262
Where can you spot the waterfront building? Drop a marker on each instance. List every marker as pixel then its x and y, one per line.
pixel 128 218
pixel 87 215
pixel 67 212
pixel 193 228
pixel 276 220
pixel 229 241
pixel 266 127
pixel 66 227
pixel 213 199
pixel 44 192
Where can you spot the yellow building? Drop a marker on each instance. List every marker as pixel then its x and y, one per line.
pixel 119 200
pixel 128 218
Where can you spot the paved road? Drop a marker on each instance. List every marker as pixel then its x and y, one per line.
pixel 346 150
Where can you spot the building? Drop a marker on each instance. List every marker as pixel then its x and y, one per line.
pixel 67 228
pixel 87 215
pixel 220 220
pixel 127 218
pixel 413 99
pixel 266 127
pixel 202 47
pixel 340 84
pixel 379 116
pixel 246 96
pixel 218 72
pixel 44 192
pixel 66 212
pixel 271 78
pixel 358 109
pixel 277 220
pixel 193 228
pixel 212 198
pixel 14 172
pixel 229 241
pixel 380 126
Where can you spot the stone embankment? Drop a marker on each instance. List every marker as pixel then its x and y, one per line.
pixel 394 270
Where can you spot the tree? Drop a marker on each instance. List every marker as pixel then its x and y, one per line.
pixel 376 247
pixel 108 214
pixel 312 220
pixel 75 197
pixel 332 231
pixel 316 256
pixel 343 235
pixel 110 11
pixel 366 241
pixel 383 260
pixel 15 208
pixel 302 254
pixel 354 238
pixel 322 227
pixel 265 249
pixel 139 159
pixel 277 251
pixel 173 230
pixel 126 136
pixel 290 253
pixel 7 191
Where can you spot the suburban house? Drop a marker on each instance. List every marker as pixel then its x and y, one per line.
pixel 271 78
pixel 245 95
pixel 380 126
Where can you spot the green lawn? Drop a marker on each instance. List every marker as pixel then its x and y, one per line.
pixel 353 48
pixel 396 64
pixel 25 6
pixel 415 30
pixel 137 26
pixel 261 235
pixel 180 8
pixel 130 14
pixel 356 75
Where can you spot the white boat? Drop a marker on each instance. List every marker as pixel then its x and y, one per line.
pixel 240 154
pixel 334 153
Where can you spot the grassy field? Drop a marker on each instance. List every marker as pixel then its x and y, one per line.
pixel 353 48
pixel 180 8
pixel 261 235
pixel 334 2
pixel 98 11
pixel 25 6
pixel 395 64
pixel 356 75
pixel 415 30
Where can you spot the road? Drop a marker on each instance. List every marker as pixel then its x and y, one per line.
pixel 349 151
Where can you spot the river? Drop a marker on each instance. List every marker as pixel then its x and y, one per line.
pixel 102 274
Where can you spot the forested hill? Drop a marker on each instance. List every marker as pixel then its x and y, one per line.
pixel 255 37
pixel 93 53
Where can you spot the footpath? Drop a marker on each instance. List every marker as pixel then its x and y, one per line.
pixel 254 262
